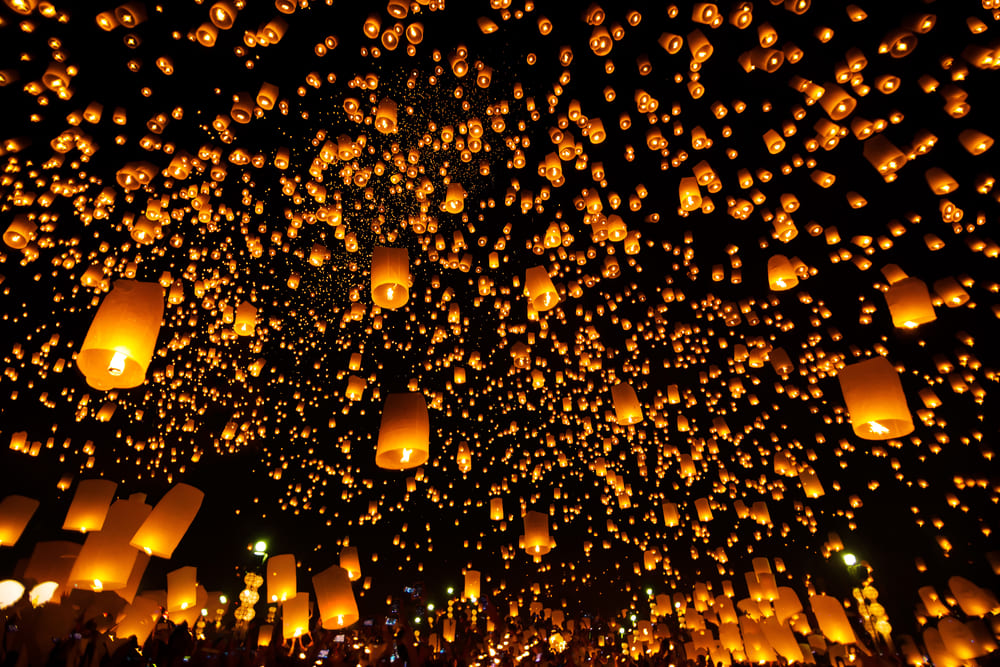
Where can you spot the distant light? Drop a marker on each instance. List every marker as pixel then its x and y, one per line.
pixel 649 591
pixel 223 599
pixel 849 559
pixel 451 590
pixel 260 548
pixel 417 620
pixel 430 606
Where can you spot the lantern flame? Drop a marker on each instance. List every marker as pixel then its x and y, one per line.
pixel 117 364
pixel 405 458
pixel 877 428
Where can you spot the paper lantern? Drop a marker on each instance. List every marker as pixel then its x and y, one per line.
pixel 780 273
pixel 163 529
pixel 246 319
pixel 90 505
pixel 138 619
pixel 671 516
pixel 264 633
pixel 496 509
pixel 10 592
pixel 281 578
pixel 951 292
pixel 910 303
pixel 875 400
pixel 182 589
pixel 836 102
pixel 337 606
pixel 404 434
pixel 350 561
pixel 832 620
pixel 385 116
pixel 973 600
pixel 19 232
pixel 122 337
pixel 939 654
pixel 471 591
pixel 932 602
pixel 15 512
pixel 536 540
pixel 781 639
pixel 295 617
pixel 454 201
pixel 541 292
pixel 106 559
pixel 627 407
pixel 690 195
pixel 52 561
pixel 959 640
pixel 390 277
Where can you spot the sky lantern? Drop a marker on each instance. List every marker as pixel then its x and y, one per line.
pixel 627 407
pixel 281 578
pixel 541 292
pixel 875 400
pixel 471 590
pixel 106 559
pixel 121 339
pixel 295 617
pixel 52 561
pixel 780 273
pixel 910 303
pixel 404 436
pixel 182 589
pixel 245 323
pixel 390 277
pixel 337 606
pixel 90 505
pixel 350 561
pixel 163 529
pixel 15 512
pixel 973 600
pixel 20 232
pixel 832 620
pixel 536 540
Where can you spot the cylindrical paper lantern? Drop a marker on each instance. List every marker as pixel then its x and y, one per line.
pixel 106 559
pixel 90 505
pixel 959 640
pixel 404 435
pixel 337 606
pixel 281 578
pixel 122 337
pixel 496 509
pixel 472 585
pixel 541 292
pixel 627 407
pixel 295 617
pixel 246 319
pixel 15 512
pixel 166 524
pixel 182 589
pixel 910 303
pixel 781 273
pixel 138 619
pixel 832 620
pixel 390 277
pixel 536 534
pixel 350 561
pixel 875 400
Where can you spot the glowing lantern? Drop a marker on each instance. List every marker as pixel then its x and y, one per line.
pixel 106 559
pixel 90 505
pixel 295 617
pixel 471 591
pixel 539 288
pixel 281 579
pixel 781 639
pixel 875 400
pixel 973 600
pixel 627 407
pixel 910 303
pixel 182 589
pixel 951 292
pixel 690 195
pixel 121 339
pixel 246 319
pixel 536 540
pixel 10 592
pixel 15 512
pixel 52 561
pixel 448 629
pixel 404 435
pixel 496 509
pixel 385 116
pixel 959 640
pixel 350 561
pixel 20 232
pixel 832 620
pixel 671 515
pixel 138 619
pixel 454 201
pixel 390 277
pixel 337 606
pixel 836 102
pixel 163 529
pixel 938 652
pixel 781 273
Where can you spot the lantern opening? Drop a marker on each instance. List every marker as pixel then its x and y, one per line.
pixel 117 364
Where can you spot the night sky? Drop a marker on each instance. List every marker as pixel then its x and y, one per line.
pixel 663 299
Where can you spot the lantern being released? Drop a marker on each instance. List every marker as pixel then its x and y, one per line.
pixel 166 524
pixel 15 512
pixel 90 505
pixel 910 303
pixel 540 290
pixel 627 407
pixel 337 606
pixel 121 339
pixel 875 400
pixel 350 561
pixel 404 435
pixel 536 540
pixel 390 277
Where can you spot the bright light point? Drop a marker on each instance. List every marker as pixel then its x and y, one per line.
pixel 910 325
pixel 430 606
pixel 649 591
pixel 416 620
pixel 451 590
pixel 223 599
pixel 97 586
pixel 117 364
pixel 849 559
pixel 877 428
pixel 260 548
pixel 405 458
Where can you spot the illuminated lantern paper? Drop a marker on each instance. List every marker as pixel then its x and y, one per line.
pixel 959 640
pixel 10 592
pixel 15 512
pixel 138 619
pixel 390 276
pixel 910 303
pixel 404 434
pixel 536 540
pixel 337 606
pixel 938 652
pixel 163 529
pixel 350 561
pixel 19 233
pixel 832 620
pixel 246 319
pixel 875 400
pixel 541 292
pixel 932 602
pixel 182 589
pixel 52 561
pixel 471 591
pixel 295 617
pixel 781 273
pixel 448 629
pixel 90 505
pixel 781 639
pixel 496 509
pixel 627 407
pixel 973 600
pixel 281 578
pixel 122 337
pixel 106 559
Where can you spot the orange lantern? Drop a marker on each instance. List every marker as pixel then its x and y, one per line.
pixel 106 559
pixel 15 512
pixel 122 337
pixel 472 579
pixel 539 288
pixel 182 589
pixel 875 400
pixel 404 435
pixel 536 540
pixel 337 606
pixel 910 303
pixel 281 578
pixel 390 277
pixel 90 505
pixel 350 561
pixel 780 273
pixel 627 407
pixel 163 529
pixel 246 319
